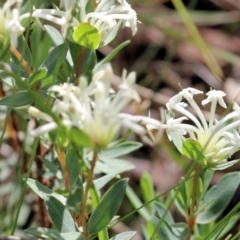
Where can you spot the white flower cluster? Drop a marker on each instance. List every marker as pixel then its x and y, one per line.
pixel 10 22
pixel 106 17
pixel 218 139
pixel 94 108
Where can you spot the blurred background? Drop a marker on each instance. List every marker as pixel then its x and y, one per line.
pixel 195 46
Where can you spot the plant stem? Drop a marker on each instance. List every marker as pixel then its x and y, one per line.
pixel 19 57
pixel 191 220
pixel 80 62
pixel 85 196
pixel 62 160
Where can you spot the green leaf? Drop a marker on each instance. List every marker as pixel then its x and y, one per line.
pixel 179 201
pixel 115 166
pixel 87 36
pixel 53 166
pixel 107 207
pixel 72 236
pixel 161 219
pixel 55 59
pixel 111 55
pixel 207 177
pixel 79 138
pixel 124 236
pixel 73 165
pixel 225 165
pixel 193 150
pixel 137 203
pixel 230 223
pixel 19 99
pixel 89 61
pixel 39 50
pixel 42 191
pixel 59 215
pixel 147 188
pixel 57 39
pixel 180 230
pixel 75 197
pixel 44 233
pixel 222 223
pixel 54 34
pixel 219 197
pixel 7 77
pixel 88 56
pixel 182 196
pixel 99 183
pixel 197 237
pixel 37 75
pixel 23 48
pixel 119 150
pixel 54 234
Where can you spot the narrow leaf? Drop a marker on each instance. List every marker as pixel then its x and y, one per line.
pixel 111 55
pixel 55 58
pixel 73 165
pixel 42 191
pixel 59 215
pixel 219 197
pixel 75 197
pixel 37 75
pixel 19 99
pixel 124 236
pixel 44 233
pixel 120 150
pixel 107 207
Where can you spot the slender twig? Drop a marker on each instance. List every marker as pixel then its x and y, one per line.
pixel 85 196
pixel 19 57
pixel 80 62
pixel 62 160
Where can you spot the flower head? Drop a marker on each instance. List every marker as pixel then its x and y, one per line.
pixel 107 17
pixel 93 109
pixel 218 139
pixel 10 26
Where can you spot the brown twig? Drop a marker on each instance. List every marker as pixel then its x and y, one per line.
pixel 19 57
pixel 62 160
pixel 80 62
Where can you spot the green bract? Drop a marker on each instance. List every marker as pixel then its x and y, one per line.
pixel 193 150
pixel 87 36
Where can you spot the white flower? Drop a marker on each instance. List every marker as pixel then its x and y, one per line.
pixel 10 25
pixel 93 109
pixel 106 18
pixel 219 139
pixel 121 11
